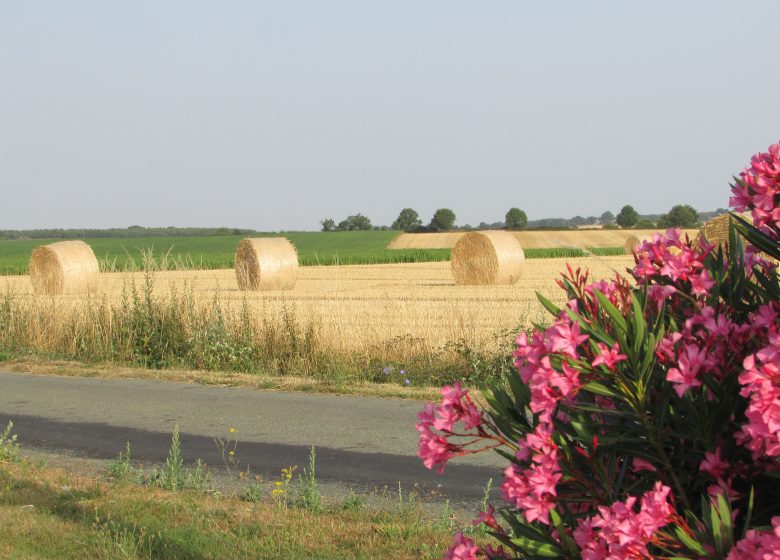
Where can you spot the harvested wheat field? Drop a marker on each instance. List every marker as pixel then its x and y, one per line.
pixel 542 239
pixel 373 309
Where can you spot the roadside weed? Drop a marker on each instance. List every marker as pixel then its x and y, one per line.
pixel 309 497
pixel 121 468
pixel 280 492
pixel 9 447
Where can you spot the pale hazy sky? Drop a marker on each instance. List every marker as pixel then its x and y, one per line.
pixel 274 115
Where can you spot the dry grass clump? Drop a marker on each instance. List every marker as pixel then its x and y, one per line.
pixel 66 267
pixel 269 263
pixel 487 258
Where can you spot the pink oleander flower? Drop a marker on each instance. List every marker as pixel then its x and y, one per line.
pixel 456 405
pixel 565 337
pixel 691 361
pixel 758 545
pixel 619 531
pixel 533 489
pixel 434 449
pixel 758 190
pixel 532 359
pixel 760 382
pixel 608 357
pixel 462 549
pixel 487 518
pixel 713 464
pixel 436 423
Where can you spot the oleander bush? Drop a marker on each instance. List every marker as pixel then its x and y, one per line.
pixel 644 422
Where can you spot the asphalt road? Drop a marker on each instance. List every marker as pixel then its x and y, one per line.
pixel 362 443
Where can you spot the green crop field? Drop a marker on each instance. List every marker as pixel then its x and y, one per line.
pixel 217 251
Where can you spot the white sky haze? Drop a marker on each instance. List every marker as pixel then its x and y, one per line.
pixel 274 115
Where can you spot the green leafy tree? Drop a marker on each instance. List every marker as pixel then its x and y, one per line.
pixel 516 219
pixel 357 222
pixel 607 217
pixel 443 220
pixel 408 220
pixel 628 217
pixel 681 215
pixel 328 225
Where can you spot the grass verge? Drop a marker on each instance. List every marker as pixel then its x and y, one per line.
pixel 50 512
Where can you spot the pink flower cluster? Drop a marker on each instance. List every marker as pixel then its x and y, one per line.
pixel 462 549
pixel 758 190
pixel 705 344
pixel 532 359
pixel 619 532
pixel 532 489
pixel 672 258
pixel 436 424
pixel 758 545
pixel 760 382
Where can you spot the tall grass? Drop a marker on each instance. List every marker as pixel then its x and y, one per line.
pixel 178 329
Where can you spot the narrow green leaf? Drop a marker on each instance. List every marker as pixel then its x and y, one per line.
pixel 688 541
pixel 599 389
pixel 537 548
pixel 717 531
pixel 724 509
pixel 548 305
pixel 612 311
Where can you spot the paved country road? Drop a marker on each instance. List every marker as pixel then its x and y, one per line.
pixel 362 443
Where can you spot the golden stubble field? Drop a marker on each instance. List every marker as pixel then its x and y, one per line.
pixel 538 239
pixel 363 308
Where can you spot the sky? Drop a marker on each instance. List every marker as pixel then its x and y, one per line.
pixel 275 115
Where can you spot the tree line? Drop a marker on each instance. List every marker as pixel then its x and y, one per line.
pixel 408 220
pixel 113 233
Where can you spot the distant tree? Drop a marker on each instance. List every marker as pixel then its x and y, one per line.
pixel 628 217
pixel 607 217
pixel 357 222
pixel 644 223
pixel 577 221
pixel 516 219
pixel 681 215
pixel 328 225
pixel 443 220
pixel 408 220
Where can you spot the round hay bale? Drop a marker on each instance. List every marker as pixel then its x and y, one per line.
pixel 266 263
pixel 716 230
pixel 487 257
pixel 632 242
pixel 65 267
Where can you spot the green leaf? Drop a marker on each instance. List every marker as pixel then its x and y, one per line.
pixel 717 531
pixel 548 305
pixel 756 237
pixel 612 311
pixel 599 389
pixel 537 548
pixel 749 516
pixel 689 543
pixel 724 509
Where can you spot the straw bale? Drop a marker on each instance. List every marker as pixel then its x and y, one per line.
pixel 486 258
pixel 716 230
pixel 266 263
pixel 65 267
pixel 632 242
